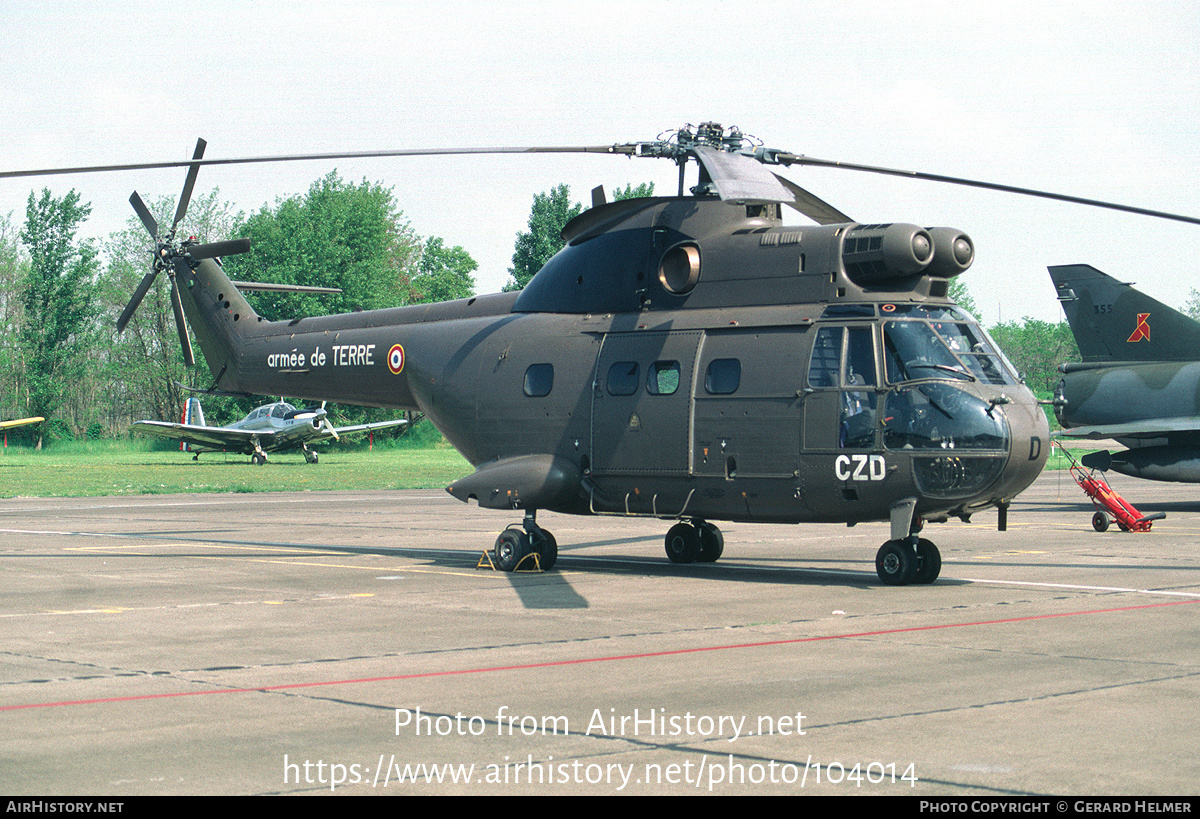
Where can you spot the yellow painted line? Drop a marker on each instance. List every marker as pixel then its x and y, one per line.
pixel 151 549
pixel 179 606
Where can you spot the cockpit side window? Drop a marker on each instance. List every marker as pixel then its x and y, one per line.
pixel 860 357
pixel 843 358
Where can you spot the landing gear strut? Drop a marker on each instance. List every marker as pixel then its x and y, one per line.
pixel 911 560
pixel 515 543
pixel 696 541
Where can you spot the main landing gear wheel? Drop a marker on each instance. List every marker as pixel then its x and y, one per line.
pixel 696 541
pixel 258 459
pixel 310 456
pixel 929 562
pixel 899 562
pixel 712 542
pixel 683 543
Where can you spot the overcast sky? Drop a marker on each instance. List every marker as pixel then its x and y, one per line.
pixel 1096 99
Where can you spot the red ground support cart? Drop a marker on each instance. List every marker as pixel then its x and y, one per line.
pixel 1107 502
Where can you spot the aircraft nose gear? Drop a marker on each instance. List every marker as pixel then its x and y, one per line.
pixel 694 541
pixel 911 560
pixel 516 545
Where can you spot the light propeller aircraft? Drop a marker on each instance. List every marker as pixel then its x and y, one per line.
pixel 692 358
pixel 1139 381
pixel 269 428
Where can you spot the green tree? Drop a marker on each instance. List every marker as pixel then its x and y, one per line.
pixel 1192 308
pixel 337 235
pixel 630 192
pixel 550 213
pixel 57 299
pixel 962 297
pixel 442 274
pixel 1036 348
pixel 13 270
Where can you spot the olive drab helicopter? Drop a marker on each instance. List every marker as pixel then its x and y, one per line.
pixel 691 358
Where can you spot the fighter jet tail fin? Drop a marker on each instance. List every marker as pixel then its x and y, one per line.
pixel 1111 321
pixel 194 414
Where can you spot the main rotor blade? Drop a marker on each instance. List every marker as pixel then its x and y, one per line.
pixel 629 149
pixel 795 159
pixel 229 247
pixel 740 178
pixel 189 183
pixel 185 341
pixel 143 213
pixel 138 294
pixel 812 206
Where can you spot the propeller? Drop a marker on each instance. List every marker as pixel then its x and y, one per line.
pixel 175 257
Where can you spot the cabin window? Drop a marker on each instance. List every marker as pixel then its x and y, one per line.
pixel 539 380
pixel 623 378
pixel 663 378
pixel 723 376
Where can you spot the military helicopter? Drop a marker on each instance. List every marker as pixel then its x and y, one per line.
pixel 691 358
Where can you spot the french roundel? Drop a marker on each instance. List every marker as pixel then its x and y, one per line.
pixel 396 359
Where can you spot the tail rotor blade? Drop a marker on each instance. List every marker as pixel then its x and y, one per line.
pixel 143 213
pixel 186 196
pixel 214 249
pixel 138 295
pixel 185 342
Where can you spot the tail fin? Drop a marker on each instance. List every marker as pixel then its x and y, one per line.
pixel 194 415
pixel 1113 322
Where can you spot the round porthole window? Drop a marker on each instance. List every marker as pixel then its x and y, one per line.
pixel 680 269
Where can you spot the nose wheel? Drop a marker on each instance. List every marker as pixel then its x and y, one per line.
pixel 910 561
pixel 516 543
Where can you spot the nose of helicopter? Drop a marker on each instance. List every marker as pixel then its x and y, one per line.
pixel 1030 444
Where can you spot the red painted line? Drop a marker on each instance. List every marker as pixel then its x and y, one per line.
pixel 614 658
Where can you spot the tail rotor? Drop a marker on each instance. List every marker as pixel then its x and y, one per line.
pixel 176 257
